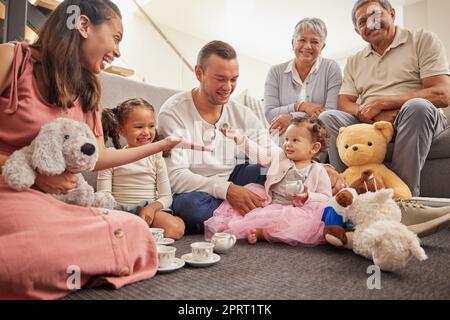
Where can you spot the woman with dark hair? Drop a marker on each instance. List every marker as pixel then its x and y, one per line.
pixel 48 247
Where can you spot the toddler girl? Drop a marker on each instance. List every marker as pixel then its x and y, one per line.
pixel 289 216
pixel 144 180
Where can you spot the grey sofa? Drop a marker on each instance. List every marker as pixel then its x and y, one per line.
pixel 435 175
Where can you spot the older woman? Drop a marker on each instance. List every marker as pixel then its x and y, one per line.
pixel 306 85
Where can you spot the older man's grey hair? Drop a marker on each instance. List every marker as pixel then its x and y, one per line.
pixel 315 25
pixel 384 3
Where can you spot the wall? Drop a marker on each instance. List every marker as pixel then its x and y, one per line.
pixel 438 21
pixel 431 15
pixel 145 51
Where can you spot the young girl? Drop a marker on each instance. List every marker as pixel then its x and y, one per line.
pixel 145 179
pixel 290 217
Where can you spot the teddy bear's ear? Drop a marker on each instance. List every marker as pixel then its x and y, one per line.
pixel 47 157
pixel 386 128
pixel 341 131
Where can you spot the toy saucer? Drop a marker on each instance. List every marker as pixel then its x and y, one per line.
pixel 165 241
pixel 188 258
pixel 176 264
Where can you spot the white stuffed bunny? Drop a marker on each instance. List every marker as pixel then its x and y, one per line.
pixel 61 145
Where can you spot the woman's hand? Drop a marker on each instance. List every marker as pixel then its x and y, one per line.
pixel 311 109
pixel 281 124
pixel 176 142
pixel 60 184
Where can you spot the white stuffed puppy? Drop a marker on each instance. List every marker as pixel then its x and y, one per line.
pixel 61 145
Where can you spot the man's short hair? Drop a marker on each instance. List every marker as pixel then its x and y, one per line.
pixel 220 48
pixel 384 3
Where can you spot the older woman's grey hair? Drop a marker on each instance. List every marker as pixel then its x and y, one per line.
pixel 315 25
pixel 384 3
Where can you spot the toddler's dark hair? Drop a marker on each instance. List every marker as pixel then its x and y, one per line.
pixel 316 127
pixel 113 119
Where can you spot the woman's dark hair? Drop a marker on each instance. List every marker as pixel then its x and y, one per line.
pixel 113 119
pixel 59 47
pixel 316 127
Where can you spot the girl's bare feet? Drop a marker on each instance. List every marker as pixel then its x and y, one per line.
pixel 254 235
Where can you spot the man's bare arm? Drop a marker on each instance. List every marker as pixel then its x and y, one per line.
pixel 348 104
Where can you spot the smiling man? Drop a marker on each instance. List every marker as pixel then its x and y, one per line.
pixel 402 76
pixel 201 181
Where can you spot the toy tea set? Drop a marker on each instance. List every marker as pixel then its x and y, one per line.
pixel 203 254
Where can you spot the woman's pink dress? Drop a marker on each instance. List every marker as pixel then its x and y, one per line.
pixel 280 223
pixel 42 240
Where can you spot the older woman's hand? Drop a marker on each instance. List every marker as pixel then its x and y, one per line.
pixel 337 181
pixel 311 109
pixel 281 124
pixel 60 184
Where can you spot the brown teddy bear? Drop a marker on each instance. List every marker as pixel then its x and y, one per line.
pixel 363 147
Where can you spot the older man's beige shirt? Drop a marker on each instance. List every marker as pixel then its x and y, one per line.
pixel 412 56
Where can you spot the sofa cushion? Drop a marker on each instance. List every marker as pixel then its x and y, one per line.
pixel 117 89
pixel 440 149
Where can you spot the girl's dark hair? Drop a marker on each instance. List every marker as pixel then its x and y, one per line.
pixel 59 46
pixel 113 119
pixel 316 127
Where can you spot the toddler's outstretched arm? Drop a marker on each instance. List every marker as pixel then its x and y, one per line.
pixel 255 152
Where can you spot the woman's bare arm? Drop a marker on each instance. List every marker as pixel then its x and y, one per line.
pixel 6 57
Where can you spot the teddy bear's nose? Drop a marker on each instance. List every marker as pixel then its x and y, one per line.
pixel 88 149
pixel 355 148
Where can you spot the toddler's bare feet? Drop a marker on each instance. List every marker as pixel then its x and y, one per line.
pixel 253 235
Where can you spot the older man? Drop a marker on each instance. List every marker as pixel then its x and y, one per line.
pixel 201 181
pixel 401 77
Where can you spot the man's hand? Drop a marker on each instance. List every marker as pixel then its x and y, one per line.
pixel 281 124
pixel 148 214
pixel 243 200
pixel 337 182
pixel 371 109
pixel 388 116
pixel 60 184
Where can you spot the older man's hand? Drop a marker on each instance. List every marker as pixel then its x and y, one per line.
pixel 388 116
pixel 337 182
pixel 372 109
